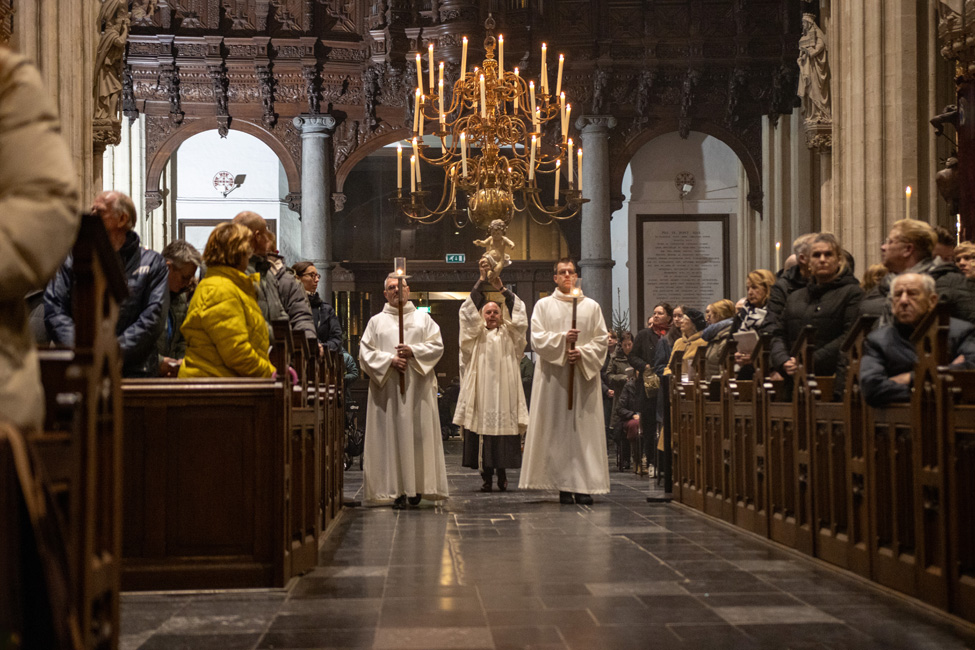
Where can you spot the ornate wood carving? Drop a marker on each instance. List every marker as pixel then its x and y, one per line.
pixel 6 21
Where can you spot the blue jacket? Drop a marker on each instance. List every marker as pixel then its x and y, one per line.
pixel 888 351
pixel 142 315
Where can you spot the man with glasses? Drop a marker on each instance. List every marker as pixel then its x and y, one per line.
pixel 565 449
pixel 909 248
pixel 327 325
pixel 183 261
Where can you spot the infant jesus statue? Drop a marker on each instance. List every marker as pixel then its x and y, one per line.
pixel 495 245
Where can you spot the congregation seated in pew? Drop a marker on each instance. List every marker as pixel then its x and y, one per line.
pixel 889 355
pixel 225 332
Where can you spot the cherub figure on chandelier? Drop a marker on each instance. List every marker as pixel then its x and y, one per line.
pixel 496 244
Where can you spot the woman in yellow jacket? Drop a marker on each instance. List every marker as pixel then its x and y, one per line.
pixel 226 335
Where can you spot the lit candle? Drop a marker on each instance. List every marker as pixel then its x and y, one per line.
pixel 562 114
pixel 419 75
pixel 423 100
pixel 536 117
pixel 416 111
pixel 579 155
pixel 565 126
pixel 440 99
pixel 558 178
pixel 399 166
pixel 517 90
pixel 778 255
pixel 531 164
pixel 500 56
pixel 544 70
pixel 558 81
pixel 399 265
pixel 412 173
pixel 531 93
pixel 907 198
pixel 570 163
pixel 463 59
pixel 430 50
pixel 416 154
pixel 483 100
pixel 463 153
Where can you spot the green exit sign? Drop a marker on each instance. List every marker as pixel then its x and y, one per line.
pixel 456 258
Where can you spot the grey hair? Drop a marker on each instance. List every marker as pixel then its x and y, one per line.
pixel 121 203
pixel 927 283
pixel 803 244
pixel 181 252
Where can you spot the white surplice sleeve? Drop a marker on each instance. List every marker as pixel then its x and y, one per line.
pixel 373 360
pixel 426 352
pixel 596 339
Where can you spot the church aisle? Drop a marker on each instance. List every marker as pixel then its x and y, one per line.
pixel 519 571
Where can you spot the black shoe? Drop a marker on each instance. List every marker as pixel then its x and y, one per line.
pixel 400 502
pixel 486 477
pixel 502 480
pixel 583 499
pixel 565 498
pixel 415 500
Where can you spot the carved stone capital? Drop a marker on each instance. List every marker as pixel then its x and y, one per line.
pixel 755 198
pixel 338 198
pixel 106 131
pixel 293 199
pixel 593 123
pixel 314 124
pixel 153 200
pixel 819 135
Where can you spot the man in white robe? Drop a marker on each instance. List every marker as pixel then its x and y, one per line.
pixel 491 407
pixel 403 456
pixel 566 450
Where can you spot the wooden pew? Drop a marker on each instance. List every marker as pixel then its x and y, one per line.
pixel 80 447
pixel 223 476
pixel 717 448
pixel 958 397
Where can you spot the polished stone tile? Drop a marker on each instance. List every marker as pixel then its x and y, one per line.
pixel 432 638
pixel 773 615
pixel 322 637
pixel 201 642
pixel 541 637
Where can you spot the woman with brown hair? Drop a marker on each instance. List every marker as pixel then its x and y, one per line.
pixel 225 331
pixel 830 303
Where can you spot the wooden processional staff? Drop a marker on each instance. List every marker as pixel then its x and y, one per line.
pixel 399 271
pixel 576 292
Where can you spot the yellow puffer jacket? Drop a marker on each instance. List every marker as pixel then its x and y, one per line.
pixel 225 332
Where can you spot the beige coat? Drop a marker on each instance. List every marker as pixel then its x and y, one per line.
pixel 38 224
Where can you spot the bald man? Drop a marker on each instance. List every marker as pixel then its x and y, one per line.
pixel 142 316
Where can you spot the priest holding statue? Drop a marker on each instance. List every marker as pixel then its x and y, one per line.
pixel 491 407
pixel 403 459
pixel 565 447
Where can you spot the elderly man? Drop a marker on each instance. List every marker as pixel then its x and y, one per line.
pixel 566 449
pixel 278 292
pixel 142 315
pixel 889 357
pixel 910 249
pixel 491 406
pixel 182 260
pixel 403 456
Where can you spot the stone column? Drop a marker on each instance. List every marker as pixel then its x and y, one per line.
pixel 596 256
pixel 316 192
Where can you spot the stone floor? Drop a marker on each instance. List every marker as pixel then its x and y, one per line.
pixel 518 571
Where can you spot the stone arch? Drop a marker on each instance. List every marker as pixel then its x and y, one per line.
pixel 157 162
pixel 750 160
pixel 361 152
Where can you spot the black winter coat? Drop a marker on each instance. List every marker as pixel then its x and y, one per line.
pixel 326 323
pixel 789 282
pixel 888 351
pixel 142 316
pixel 832 308
pixel 953 289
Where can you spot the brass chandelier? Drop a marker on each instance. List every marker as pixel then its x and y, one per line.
pixel 491 143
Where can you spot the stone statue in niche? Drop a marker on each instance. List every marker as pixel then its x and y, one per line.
pixel 600 81
pixel 495 257
pixel 113 19
pixel 813 72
